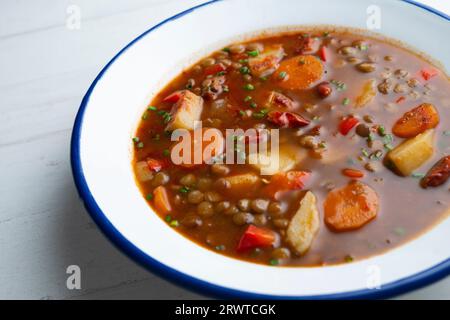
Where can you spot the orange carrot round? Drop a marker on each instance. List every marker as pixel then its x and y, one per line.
pixel 302 72
pixel 416 121
pixel 350 207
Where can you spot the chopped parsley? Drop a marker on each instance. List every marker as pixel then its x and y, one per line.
pixel 183 190
pixel 417 175
pixel 260 114
pixel 340 86
pixel 165 115
pixel 382 131
pixel 249 87
pixel 174 223
pixel 253 53
pixel 244 70
pixel 274 262
pixel 346 101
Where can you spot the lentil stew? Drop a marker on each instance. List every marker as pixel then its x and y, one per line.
pixel 364 149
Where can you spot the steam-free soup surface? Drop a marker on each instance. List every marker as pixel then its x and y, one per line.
pixel 364 149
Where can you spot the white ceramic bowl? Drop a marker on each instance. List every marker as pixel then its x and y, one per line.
pixel 111 109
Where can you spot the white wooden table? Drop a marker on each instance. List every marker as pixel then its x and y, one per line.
pixel 45 69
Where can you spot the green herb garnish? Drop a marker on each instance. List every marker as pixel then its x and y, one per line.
pixel 382 131
pixel 417 175
pixel 183 190
pixel 261 114
pixel 340 86
pixel 249 87
pixel 282 75
pixel 274 262
pixel 244 70
pixel 174 223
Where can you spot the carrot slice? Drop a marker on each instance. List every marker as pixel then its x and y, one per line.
pixel 162 202
pixel 303 71
pixel 352 173
pixel 416 121
pixel 350 207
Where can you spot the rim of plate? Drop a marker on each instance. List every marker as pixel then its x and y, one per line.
pixel 403 285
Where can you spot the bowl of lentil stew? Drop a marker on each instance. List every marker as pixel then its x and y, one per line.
pixel 345 130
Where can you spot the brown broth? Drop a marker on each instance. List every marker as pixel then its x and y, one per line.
pixel 406 209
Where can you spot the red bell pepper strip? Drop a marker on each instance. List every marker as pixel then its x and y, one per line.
pixel 352 173
pixel 287 119
pixel 428 73
pixel 154 164
pixel 347 124
pixel 214 69
pixel 323 53
pixel 173 97
pixel 255 237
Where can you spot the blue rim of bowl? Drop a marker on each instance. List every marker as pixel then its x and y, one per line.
pixel 404 285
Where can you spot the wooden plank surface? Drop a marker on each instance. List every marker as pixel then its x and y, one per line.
pixel 45 69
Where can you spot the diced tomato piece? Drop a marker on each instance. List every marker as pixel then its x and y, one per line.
pixel 255 237
pixel 347 124
pixel 154 165
pixel 323 53
pixel 428 73
pixel 292 180
pixel 214 69
pixel 287 119
pixel 353 173
pixel 174 97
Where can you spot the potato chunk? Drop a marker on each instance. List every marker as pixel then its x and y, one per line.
pixel 186 111
pixel 266 63
pixel 288 158
pixel 304 225
pixel 143 172
pixel 412 153
pixel 367 94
